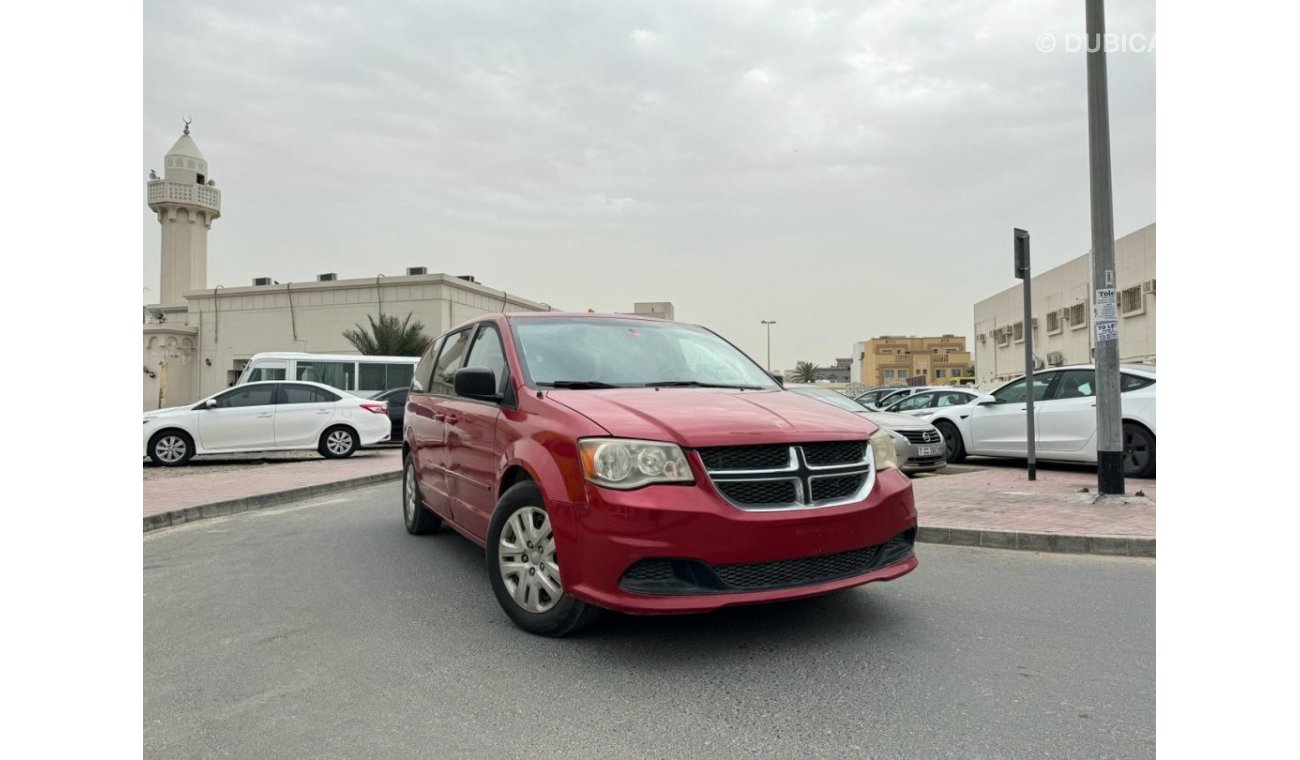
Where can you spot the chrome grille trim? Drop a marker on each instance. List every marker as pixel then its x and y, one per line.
pixel 803 475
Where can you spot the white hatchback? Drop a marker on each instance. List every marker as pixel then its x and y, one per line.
pixel 268 416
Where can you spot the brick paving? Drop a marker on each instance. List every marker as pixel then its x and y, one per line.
pixel 1000 498
pixel 986 497
pixel 216 479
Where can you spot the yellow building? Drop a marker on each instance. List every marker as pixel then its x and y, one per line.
pixel 909 360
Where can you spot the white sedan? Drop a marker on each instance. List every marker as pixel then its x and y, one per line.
pixel 268 416
pixel 1065 419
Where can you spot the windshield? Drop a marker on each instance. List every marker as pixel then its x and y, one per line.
pixel 629 353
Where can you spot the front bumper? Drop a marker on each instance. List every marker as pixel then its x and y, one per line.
pixel 718 555
pixel 910 460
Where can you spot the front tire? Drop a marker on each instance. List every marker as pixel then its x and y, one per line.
pixel 1139 452
pixel 419 520
pixel 171 448
pixel 524 569
pixel 953 447
pixel 338 443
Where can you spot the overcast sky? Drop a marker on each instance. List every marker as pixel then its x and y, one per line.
pixel 848 169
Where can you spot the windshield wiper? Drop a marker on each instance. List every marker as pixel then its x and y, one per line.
pixel 579 385
pixel 698 384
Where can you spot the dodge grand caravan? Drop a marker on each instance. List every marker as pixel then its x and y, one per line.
pixel 643 466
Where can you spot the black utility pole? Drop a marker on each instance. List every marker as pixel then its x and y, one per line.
pixel 1021 243
pixel 1110 444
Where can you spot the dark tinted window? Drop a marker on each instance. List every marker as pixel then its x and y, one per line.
pixel 338 374
pixel 252 395
pixel 919 401
pixel 305 394
pixel 1016 391
pixel 424 370
pixel 1133 382
pixel 487 353
pixel 1076 383
pixel 453 349
pixel 953 398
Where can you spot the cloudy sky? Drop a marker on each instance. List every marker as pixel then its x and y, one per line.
pixel 848 169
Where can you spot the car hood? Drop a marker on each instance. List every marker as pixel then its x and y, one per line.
pixel 894 420
pixel 167 412
pixel 693 417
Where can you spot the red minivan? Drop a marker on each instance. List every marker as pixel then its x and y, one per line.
pixel 644 466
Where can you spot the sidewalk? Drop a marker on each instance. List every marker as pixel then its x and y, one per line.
pixel 979 504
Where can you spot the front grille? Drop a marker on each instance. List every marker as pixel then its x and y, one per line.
pixel 922 436
pixel 746 458
pixel 759 491
pixel 669 577
pixel 838 487
pixel 798 571
pixel 838 452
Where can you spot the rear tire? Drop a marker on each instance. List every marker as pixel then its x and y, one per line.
pixel 523 567
pixel 1139 452
pixel 954 449
pixel 171 448
pixel 338 443
pixel 419 520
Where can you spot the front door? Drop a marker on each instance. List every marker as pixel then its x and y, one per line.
pixel 301 414
pixel 1000 427
pixel 243 418
pixel 471 439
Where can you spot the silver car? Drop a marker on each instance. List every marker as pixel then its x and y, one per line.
pixel 919 444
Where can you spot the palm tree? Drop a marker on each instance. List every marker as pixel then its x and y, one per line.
pixel 389 337
pixel 805 372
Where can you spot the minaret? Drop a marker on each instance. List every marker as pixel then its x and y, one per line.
pixel 186 202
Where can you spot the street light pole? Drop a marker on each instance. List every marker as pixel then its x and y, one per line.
pixel 1020 240
pixel 1110 444
pixel 769 323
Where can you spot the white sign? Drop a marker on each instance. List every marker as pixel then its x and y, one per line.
pixel 1107 331
pixel 1105 306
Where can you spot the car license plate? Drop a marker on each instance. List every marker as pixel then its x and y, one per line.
pixel 929 451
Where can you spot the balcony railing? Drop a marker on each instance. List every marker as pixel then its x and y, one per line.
pixel 167 191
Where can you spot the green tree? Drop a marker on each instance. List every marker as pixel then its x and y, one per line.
pixel 805 372
pixel 389 337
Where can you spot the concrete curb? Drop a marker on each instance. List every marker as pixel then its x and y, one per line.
pixel 261 501
pixel 1062 543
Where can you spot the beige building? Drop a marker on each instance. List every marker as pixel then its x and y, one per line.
pixel 1062 314
pixel 197 340
pixel 909 360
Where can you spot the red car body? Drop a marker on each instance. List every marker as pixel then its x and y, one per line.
pixel 662 548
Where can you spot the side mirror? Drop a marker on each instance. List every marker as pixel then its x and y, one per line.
pixel 476 382
pixel 985 401
pixel 210 404
pixel 779 378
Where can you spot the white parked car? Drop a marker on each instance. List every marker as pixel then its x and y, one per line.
pixel 884 401
pixel 927 403
pixel 1065 419
pixel 270 416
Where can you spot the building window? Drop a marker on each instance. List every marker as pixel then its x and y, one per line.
pixel 1130 301
pixel 1078 316
pixel 1018 332
pixel 939 373
pixel 1053 322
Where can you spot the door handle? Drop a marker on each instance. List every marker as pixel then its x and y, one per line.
pixel 264 416
pixel 323 411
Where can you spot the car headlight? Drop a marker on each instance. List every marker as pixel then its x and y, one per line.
pixel 625 464
pixel 882 448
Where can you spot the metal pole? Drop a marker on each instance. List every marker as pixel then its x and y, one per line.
pixel 1021 245
pixel 769 324
pixel 1110 445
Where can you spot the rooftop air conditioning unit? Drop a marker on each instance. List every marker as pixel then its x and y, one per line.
pixel 1149 286
pixel 417 270
pixel 260 281
pixel 467 278
pixel 327 277
pixel 1055 358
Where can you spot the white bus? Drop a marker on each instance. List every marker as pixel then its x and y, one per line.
pixel 361 375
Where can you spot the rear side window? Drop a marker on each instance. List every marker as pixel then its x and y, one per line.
pixel 444 369
pixel 1133 382
pixel 423 377
pixel 305 394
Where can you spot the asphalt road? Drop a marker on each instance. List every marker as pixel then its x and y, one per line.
pixel 323 630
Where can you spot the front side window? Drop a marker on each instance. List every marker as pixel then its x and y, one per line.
pixel 919 401
pixel 252 395
pixel 1076 383
pixel 422 380
pixel 628 353
pixel 488 354
pixel 953 399
pixel 1015 392
pixel 444 369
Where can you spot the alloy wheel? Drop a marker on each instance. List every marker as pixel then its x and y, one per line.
pixel 408 502
pixel 527 562
pixel 339 442
pixel 1136 452
pixel 170 449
